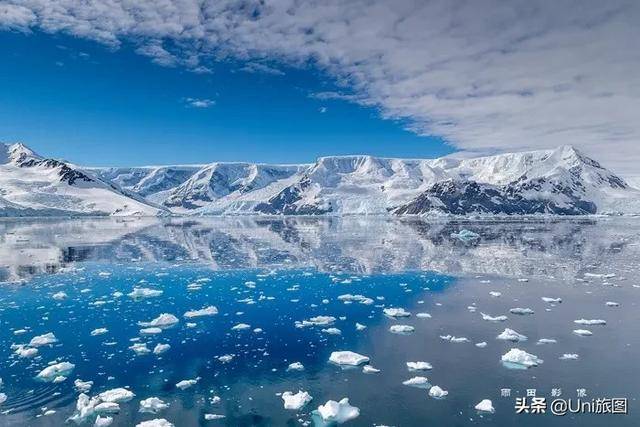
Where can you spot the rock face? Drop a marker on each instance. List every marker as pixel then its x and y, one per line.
pixel 557 182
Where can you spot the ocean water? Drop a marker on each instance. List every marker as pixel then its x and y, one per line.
pixel 71 277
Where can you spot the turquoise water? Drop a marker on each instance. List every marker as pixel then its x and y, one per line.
pixel 269 285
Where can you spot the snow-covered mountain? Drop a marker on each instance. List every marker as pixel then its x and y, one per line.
pixel 31 185
pixel 562 181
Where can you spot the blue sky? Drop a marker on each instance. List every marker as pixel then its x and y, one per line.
pixel 87 103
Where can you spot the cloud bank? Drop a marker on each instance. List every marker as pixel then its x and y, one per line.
pixel 487 75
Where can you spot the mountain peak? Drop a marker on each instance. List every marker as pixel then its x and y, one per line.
pixel 17 153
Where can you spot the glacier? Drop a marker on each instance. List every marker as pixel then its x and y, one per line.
pixel 561 181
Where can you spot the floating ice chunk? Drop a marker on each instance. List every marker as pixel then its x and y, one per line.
pixel 454 339
pixel 241 327
pixel 495 294
pixel 492 318
pixel 482 344
pixel 402 329
pixel 419 366
pixel 332 331
pixel 569 356
pixel 520 359
pixel 437 393
pixel 58 296
pixel 396 312
pixel 158 422
pixel 161 348
pixel 99 331
pixel 296 401
pixel 206 311
pixel 338 412
pixel 423 316
pixel 23 351
pixel 51 372
pixel 83 386
pixel 107 408
pixel 583 332
pixel 552 300
pixel 590 322
pixel 3 398
pixel 211 417
pixel 368 369
pixel 360 327
pixel 185 384
pixel 316 321
pixel 547 341
pixel 418 382
pixel 466 236
pixel 355 298
pixel 613 304
pixel 511 335
pixel 42 340
pixel 521 311
pixel 472 308
pixel 140 293
pixel 226 358
pixel 103 421
pixel 117 294
pixel 485 405
pixel 348 358
pixel 140 349
pixel 600 275
pixel 150 331
pixel 116 395
pixel 164 320
pixel 152 405
pixel 295 366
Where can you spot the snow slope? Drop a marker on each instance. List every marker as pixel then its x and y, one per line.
pixel 31 185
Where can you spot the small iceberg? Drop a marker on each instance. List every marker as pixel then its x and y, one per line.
pixel 368 369
pixel 511 335
pixel 396 312
pixel 157 422
pixel 296 401
pixel 485 405
pixel 116 395
pixel 417 382
pixel 402 329
pixel 590 322
pixel 295 366
pixel 185 384
pixel 152 405
pixel 437 393
pixel 521 311
pixel 552 300
pixel 489 318
pixel 583 332
pixel 42 340
pixel 337 412
pixel 141 293
pixel 347 358
pixel 419 366
pixel 164 320
pixel 54 371
pixel 466 236
pixel 520 359
pixel 206 311
pixel 569 356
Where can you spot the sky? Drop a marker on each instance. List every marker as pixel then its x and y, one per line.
pixel 183 81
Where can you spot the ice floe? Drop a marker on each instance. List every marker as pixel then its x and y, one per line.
pixel 82 386
pixel 437 393
pixel 296 401
pixel 590 322
pixel 511 335
pixel 583 332
pixel 99 331
pixel 337 412
pixel 419 366
pixel 516 358
pixel 489 318
pixel 295 366
pixel 42 340
pixel 547 341
pixel 241 327
pixel 401 329
pixel 206 311
pixel 141 293
pixel 368 369
pixel 521 311
pixel 551 300
pixel 569 356
pixel 396 312
pixel 485 405
pixel 54 371
pixel 348 358
pixel 162 321
pixel 116 395
pixel 418 382
pixel 152 405
pixel 316 321
pixel 161 348
pixel 158 422
pixel 185 384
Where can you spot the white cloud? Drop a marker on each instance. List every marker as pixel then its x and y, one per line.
pixel 199 103
pixel 488 75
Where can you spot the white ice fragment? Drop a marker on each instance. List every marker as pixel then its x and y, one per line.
pixel 368 369
pixel 295 366
pixel 107 408
pixel 164 320
pixel 103 421
pixel 211 417
pixel 348 358
pixel 140 349
pixel 51 372
pixel 485 405
pixel 396 312
pixel 569 356
pixel 3 398
pixel 418 382
pixel 316 321
pixel 161 348
pixel 521 311
pixel 419 366
pixel 23 351
pixel 58 296
pixel 492 318
pixel 157 422
pixel 511 335
pixel 150 331
pixel 185 384
pixel 583 332
pixel 206 311
pixel 152 405
pixel 437 393
pixel 360 327
pixel 613 304
pixel 140 293
pixel 116 395
pixel 481 344
pixel 552 300
pixel 332 331
pixel 547 341
pixel 296 401
pixel 423 316
pixel 82 386
pixel 495 294
pixel 99 331
pixel 517 358
pixel 466 236
pixel 241 327
pixel 338 412
pixel 401 329
pixel 590 322
pixel 42 340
